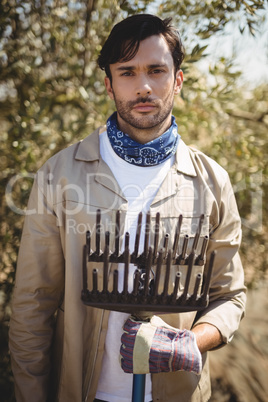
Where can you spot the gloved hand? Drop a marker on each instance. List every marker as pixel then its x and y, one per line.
pixel 154 347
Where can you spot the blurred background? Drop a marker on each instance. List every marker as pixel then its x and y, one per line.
pixel 52 94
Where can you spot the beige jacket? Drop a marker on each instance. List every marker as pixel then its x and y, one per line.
pixel 56 339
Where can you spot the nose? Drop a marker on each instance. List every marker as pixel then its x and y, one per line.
pixel 143 87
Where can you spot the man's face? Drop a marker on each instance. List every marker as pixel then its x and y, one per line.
pixel 143 89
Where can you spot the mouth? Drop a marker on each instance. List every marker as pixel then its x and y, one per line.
pixel 144 107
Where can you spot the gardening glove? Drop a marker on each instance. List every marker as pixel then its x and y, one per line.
pixel 154 347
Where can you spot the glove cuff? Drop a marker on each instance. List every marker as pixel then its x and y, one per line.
pixel 186 354
pixel 142 346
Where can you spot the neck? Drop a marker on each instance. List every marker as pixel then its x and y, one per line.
pixel 143 135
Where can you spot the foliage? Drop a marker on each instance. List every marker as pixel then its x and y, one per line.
pixel 229 124
pixel 207 17
pixel 52 94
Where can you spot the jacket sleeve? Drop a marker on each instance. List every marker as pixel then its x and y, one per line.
pixel 227 295
pixel 38 290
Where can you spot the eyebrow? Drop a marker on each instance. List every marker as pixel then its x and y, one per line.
pixel 131 68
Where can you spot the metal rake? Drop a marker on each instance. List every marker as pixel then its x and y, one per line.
pixel 145 295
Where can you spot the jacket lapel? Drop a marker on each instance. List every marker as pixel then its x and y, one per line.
pixel 183 166
pixel 89 151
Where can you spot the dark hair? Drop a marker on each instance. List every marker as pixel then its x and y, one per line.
pixel 125 37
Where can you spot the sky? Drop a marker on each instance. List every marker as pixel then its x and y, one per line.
pixel 251 52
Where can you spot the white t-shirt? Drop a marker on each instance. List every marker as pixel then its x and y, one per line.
pixel 139 185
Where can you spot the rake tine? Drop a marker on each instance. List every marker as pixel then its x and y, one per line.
pixel 95 280
pixel 177 237
pixel 201 258
pixel 208 276
pixel 188 277
pixel 156 236
pixel 117 234
pixel 193 298
pixel 182 257
pixel 197 235
pixel 88 242
pixel 176 287
pixel 126 241
pixel 98 229
pixel 147 272
pixel 88 235
pixel 115 282
pixel 107 240
pixel 114 294
pixel 166 239
pixel 158 272
pixel 126 261
pixel 85 254
pixel 147 233
pixel 167 275
pixel 137 239
pixel 137 276
pixel 106 262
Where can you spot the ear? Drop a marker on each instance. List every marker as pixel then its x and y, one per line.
pixel 109 87
pixel 178 82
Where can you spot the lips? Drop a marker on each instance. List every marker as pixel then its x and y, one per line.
pixel 144 107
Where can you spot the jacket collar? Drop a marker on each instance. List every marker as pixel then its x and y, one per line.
pixel 89 151
pixel 89 148
pixel 184 163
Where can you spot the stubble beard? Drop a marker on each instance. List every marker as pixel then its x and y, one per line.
pixel 146 121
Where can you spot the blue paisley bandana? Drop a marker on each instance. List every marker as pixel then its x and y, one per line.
pixel 150 154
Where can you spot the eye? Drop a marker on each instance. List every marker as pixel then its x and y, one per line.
pixel 157 71
pixel 126 74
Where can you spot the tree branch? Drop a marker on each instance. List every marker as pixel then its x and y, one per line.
pixel 91 5
pixel 240 114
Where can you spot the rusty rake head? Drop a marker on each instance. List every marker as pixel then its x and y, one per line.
pixel 152 264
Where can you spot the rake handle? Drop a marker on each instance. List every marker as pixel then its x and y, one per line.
pixel 138 387
pixel 138 383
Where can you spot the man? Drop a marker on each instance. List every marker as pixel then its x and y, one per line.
pixel 63 350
